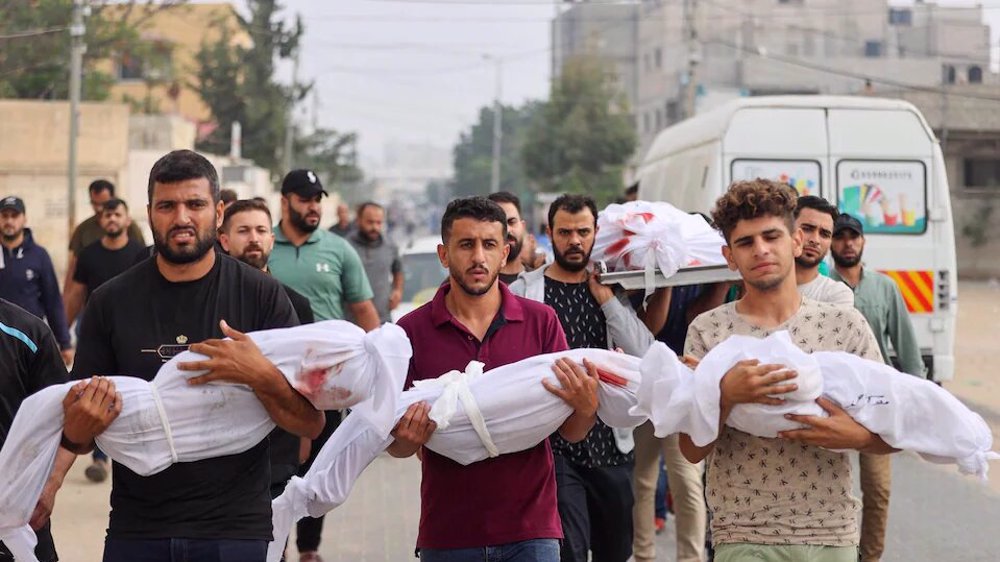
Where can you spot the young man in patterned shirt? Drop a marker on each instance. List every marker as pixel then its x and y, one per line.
pixel 788 498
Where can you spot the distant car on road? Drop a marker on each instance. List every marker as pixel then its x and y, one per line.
pixel 423 273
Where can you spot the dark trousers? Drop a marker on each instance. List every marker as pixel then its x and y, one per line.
pixel 595 505
pixel 184 550
pixel 309 530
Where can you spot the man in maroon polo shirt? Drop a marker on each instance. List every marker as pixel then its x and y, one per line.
pixel 501 509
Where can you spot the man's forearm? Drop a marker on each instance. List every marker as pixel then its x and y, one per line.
pixel 365 315
pixel 576 427
pixel 693 453
pixel 397 281
pixel 289 409
pixel 878 447
pixel 60 467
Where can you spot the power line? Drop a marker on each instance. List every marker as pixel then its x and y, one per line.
pixel 32 33
pixel 802 63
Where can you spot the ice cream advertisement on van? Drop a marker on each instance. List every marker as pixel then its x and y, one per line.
pixel 803 175
pixel 887 197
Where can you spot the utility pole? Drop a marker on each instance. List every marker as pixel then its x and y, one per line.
pixel 77 48
pixel 290 118
pixel 690 86
pixel 497 128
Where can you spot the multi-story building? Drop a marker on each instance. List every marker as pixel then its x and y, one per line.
pixel 160 78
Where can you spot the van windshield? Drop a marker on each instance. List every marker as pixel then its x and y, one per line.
pixel 887 196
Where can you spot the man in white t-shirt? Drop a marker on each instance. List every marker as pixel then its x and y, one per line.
pixel 815 216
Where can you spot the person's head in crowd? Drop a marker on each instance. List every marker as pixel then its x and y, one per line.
pixel 632 192
pixel 757 220
pixel 228 197
pixel 473 244
pixel 101 191
pixel 246 232
pixel 848 241
pixel 12 218
pixel 511 206
pixel 301 196
pixel 184 207
pixel 114 218
pixel 371 221
pixel 814 216
pixel 343 214
pixel 573 230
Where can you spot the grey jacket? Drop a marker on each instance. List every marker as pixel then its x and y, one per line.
pixel 625 329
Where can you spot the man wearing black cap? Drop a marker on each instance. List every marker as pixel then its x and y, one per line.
pixel 27 277
pixel 327 270
pixel 877 297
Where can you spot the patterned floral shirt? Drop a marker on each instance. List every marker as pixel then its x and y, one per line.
pixel 773 491
pixel 585 326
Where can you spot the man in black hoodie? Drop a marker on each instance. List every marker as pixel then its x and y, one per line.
pixel 27 277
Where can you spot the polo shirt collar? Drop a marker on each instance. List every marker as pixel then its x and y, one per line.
pixel 279 236
pixel 510 308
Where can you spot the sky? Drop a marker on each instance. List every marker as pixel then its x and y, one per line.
pixel 419 70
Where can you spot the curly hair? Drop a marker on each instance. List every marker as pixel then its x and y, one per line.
pixel 747 200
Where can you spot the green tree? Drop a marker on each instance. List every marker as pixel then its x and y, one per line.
pixel 35 45
pixel 237 83
pixel 333 156
pixel 473 155
pixel 584 134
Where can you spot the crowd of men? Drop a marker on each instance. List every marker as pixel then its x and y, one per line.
pixel 219 268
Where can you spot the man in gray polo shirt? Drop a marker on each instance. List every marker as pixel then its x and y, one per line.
pixel 380 257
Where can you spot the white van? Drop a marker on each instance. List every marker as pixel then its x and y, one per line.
pixel 874 158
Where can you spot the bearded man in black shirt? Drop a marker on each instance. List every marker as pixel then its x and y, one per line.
pixel 189 296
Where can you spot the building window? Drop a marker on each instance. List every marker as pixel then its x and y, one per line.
pixel 982 172
pixel 949 74
pixel 658 57
pixel 873 49
pixel 900 16
pixel 673 112
pixel 975 75
pixel 151 62
pixel 129 67
pixel 645 122
pixel 659 119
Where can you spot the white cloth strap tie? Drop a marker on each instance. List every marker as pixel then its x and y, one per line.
pixel 455 388
pixel 163 420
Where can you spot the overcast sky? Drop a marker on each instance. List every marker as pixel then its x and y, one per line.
pixel 414 70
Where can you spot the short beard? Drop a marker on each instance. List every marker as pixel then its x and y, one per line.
pixel 515 250
pixel 114 233
pixel 846 262
pixel 298 220
pixel 572 267
pixel 204 241
pixel 806 263
pixel 11 237
pixel 254 262
pixel 473 292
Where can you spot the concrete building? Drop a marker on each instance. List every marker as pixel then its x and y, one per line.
pixel 608 31
pixel 159 80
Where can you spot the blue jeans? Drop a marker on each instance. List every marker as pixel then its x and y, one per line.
pixel 184 550
pixel 535 550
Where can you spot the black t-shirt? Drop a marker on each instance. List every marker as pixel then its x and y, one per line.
pixel 31 361
pixel 585 326
pixel 509 278
pixel 134 323
pixel 96 264
pixel 285 446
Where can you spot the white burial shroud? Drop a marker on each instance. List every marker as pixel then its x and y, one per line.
pixel 478 414
pixel 906 412
pixel 646 235
pixel 334 364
